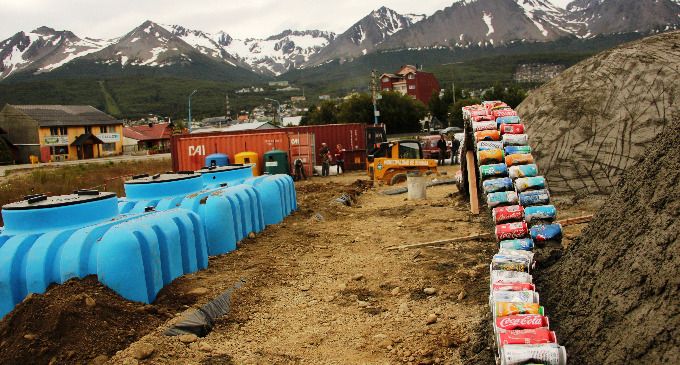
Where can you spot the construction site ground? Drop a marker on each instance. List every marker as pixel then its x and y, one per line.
pixel 320 288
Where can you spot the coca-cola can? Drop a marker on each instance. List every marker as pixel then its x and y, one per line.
pixel 503 113
pixel 484 125
pixel 526 337
pixel 508 231
pixel 526 244
pixel 547 354
pixel 508 213
pixel 521 322
pixel 511 128
pixel 512 286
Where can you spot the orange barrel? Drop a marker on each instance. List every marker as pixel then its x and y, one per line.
pixel 519 159
pixel 486 157
pixel 488 135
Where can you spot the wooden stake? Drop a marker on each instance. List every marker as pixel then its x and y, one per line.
pixel 565 223
pixel 472 182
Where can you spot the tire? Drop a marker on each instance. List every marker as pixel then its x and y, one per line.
pixel 398 178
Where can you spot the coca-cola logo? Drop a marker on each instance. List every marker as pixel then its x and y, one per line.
pixel 520 321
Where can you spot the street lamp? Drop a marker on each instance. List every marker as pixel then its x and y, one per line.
pixel 190 95
pixel 278 107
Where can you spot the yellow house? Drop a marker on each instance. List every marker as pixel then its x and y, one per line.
pixel 61 132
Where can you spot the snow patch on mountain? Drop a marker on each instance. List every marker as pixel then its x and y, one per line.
pixel 487 19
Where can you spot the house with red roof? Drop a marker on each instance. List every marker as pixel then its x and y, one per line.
pixel 150 137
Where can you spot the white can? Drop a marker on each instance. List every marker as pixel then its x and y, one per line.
pixel 549 354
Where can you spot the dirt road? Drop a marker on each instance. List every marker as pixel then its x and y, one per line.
pixel 321 288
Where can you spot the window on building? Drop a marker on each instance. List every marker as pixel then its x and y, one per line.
pixel 386 79
pixel 58 131
pixel 104 129
pixel 88 129
pixel 411 76
pixel 109 147
pixel 58 150
pixel 412 87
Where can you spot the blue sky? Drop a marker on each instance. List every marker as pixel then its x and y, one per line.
pixel 250 18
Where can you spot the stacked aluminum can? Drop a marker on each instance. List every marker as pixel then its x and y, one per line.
pixel 520 205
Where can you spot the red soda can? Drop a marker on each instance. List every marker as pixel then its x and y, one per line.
pixel 522 322
pixel 507 214
pixel 512 128
pixel 526 337
pixel 510 231
pixel 513 287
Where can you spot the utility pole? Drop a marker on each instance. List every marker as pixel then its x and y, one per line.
pixel 190 95
pixel 376 113
pixel 227 112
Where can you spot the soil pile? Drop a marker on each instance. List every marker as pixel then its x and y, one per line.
pixel 74 323
pixel 613 297
pixel 591 123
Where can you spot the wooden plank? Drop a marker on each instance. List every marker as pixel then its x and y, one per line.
pixel 472 182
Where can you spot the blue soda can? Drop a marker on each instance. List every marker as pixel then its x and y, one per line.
pixel 489 145
pixel 507 120
pixel 495 185
pixel 529 183
pixel 546 232
pixel 501 198
pixel 492 170
pixel 523 171
pixel 540 213
pixel 534 197
pixel 525 244
pixel 517 150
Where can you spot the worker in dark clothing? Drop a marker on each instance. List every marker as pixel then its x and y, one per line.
pixel 441 144
pixel 455 145
pixel 339 161
pixel 325 155
pixel 299 170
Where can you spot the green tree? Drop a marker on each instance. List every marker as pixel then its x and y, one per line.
pixel 437 106
pixel 511 95
pixel 356 109
pixel 400 113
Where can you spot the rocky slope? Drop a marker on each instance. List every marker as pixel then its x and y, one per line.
pixel 597 118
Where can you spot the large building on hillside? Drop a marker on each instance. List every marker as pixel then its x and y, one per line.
pixel 61 132
pixel 411 81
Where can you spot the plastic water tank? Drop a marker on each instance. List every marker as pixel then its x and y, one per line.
pixel 160 191
pixel 217 159
pixel 276 162
pixel 214 177
pixel 250 159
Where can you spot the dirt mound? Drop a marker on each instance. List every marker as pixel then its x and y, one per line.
pixel 591 123
pixel 613 296
pixel 73 323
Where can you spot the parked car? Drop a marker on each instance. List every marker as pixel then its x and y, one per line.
pixel 430 149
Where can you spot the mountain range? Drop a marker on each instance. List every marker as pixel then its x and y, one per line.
pixel 466 23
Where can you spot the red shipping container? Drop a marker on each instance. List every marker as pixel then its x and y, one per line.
pixel 190 150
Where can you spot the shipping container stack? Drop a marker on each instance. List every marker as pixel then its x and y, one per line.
pixel 519 201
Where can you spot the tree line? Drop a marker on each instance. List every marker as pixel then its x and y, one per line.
pixel 401 113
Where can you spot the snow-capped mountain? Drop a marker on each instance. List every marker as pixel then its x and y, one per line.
pixel 464 23
pixel 366 34
pixel 43 50
pixel 278 53
pixel 592 17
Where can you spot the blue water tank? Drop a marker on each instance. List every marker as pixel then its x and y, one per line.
pixel 278 196
pixel 216 160
pixel 214 177
pixel 49 240
pixel 160 191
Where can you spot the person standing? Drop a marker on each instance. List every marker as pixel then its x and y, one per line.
pixel 455 146
pixel 299 170
pixel 324 153
pixel 441 144
pixel 339 159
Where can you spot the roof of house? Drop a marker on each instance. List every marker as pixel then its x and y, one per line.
pixel 148 133
pixel 66 115
pixel 251 125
